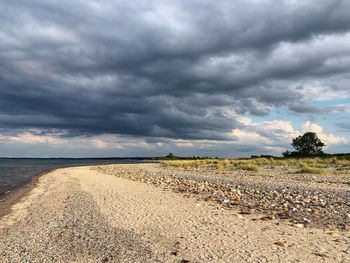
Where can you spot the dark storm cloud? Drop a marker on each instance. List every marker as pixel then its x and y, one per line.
pixel 163 68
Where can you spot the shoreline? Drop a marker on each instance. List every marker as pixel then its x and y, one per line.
pixel 85 215
pixel 18 193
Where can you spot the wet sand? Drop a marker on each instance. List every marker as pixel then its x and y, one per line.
pixel 84 215
pixel 16 195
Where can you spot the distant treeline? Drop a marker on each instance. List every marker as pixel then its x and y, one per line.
pixel 299 155
pixel 171 156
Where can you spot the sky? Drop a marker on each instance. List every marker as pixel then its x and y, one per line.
pixel 84 78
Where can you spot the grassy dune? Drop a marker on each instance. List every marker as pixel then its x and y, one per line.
pixel 316 165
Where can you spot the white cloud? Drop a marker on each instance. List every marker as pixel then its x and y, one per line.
pixel 98 143
pixel 277 128
pixel 183 143
pixel 277 135
pixel 248 137
pixel 269 137
pixel 30 138
pixel 327 138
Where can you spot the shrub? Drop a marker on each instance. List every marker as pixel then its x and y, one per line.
pixel 313 170
pixel 248 167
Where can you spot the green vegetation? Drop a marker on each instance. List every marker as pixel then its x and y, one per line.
pixel 337 165
pixel 306 145
pixel 313 170
pixel 248 167
pixel 309 159
pixel 172 156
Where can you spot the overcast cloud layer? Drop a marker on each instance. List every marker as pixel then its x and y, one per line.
pixel 196 77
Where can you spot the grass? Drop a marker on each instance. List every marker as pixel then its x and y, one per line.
pixel 313 170
pixel 323 166
pixel 248 167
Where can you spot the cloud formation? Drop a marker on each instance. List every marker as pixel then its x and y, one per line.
pixel 177 70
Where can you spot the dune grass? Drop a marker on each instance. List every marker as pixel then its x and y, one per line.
pixel 313 170
pixel 316 165
pixel 248 167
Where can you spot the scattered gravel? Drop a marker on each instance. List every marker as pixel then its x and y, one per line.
pixel 302 199
pixel 86 214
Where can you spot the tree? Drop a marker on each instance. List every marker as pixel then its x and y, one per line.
pixel 287 154
pixel 170 156
pixel 308 144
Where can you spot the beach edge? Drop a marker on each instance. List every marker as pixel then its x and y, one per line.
pixel 17 194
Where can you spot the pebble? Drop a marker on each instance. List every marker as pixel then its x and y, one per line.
pixel 296 198
pixel 299 225
pixel 333 233
pixel 281 244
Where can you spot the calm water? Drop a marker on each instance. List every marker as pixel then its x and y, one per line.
pixel 17 172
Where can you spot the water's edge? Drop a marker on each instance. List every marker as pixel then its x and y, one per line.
pixel 15 173
pixel 16 194
pixel 34 177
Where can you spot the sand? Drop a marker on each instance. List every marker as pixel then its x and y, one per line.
pixel 82 215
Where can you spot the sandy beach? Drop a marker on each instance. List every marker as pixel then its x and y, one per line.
pixel 84 214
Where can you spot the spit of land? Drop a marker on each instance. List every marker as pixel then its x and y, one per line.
pixel 176 212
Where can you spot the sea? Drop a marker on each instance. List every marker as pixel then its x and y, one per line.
pixel 15 173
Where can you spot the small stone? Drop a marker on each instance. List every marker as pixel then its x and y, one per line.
pixel 226 201
pixel 306 220
pixel 265 218
pixel 280 244
pixel 333 233
pixel 246 212
pixel 104 259
pixel 236 200
pixel 347 228
pixel 307 200
pixel 207 197
pixel 298 225
pixel 321 254
pixel 314 210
